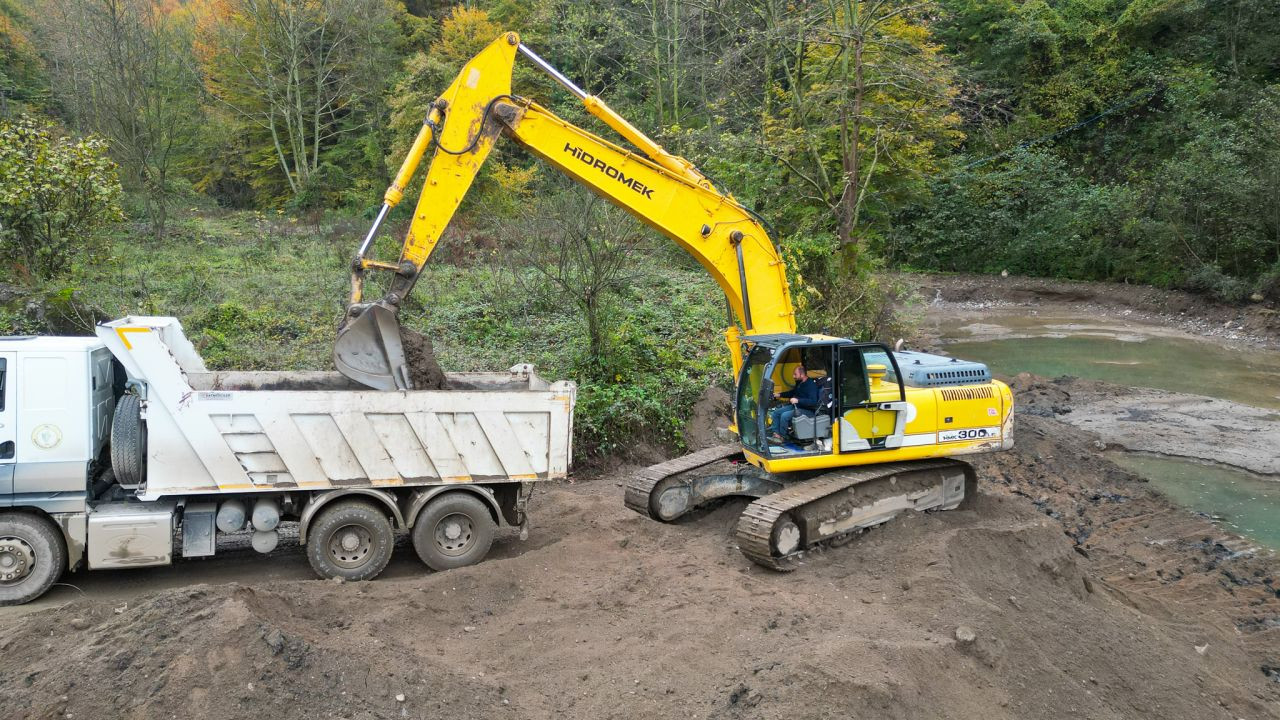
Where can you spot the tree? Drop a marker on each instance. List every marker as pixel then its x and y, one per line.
pixel 123 69
pixel 584 248
pixel 55 191
pixel 870 106
pixel 23 85
pixel 304 76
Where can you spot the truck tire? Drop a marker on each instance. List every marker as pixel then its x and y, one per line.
pixel 32 556
pixel 128 442
pixel 351 539
pixel 454 530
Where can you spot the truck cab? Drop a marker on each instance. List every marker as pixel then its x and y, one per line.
pixel 57 395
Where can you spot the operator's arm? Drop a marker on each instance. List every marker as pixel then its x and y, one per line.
pixel 806 395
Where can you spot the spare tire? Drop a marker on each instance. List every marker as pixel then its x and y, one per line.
pixel 128 442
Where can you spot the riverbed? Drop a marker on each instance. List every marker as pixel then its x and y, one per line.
pixel 1197 416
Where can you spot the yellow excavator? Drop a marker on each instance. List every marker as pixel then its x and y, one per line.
pixel 876 440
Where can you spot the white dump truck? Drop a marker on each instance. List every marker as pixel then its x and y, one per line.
pixel 124 451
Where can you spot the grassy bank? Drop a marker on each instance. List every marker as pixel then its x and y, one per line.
pixel 259 292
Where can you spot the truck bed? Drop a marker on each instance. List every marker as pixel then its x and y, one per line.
pixel 219 432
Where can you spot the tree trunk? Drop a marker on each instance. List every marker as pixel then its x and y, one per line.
pixel 852 166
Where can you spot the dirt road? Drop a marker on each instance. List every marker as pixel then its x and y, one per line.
pixel 1068 589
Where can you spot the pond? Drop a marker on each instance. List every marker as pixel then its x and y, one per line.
pixel 1124 354
pixel 1117 351
pixel 1242 502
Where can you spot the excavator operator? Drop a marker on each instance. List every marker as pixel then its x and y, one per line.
pixel 803 399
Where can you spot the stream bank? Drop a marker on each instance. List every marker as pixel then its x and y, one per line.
pixel 1194 404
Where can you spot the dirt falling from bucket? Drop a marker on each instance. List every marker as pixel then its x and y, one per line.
pixel 420 356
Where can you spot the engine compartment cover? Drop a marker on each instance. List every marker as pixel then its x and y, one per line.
pixel 926 370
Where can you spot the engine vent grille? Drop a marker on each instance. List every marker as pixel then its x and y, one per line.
pixel 968 393
pixel 925 370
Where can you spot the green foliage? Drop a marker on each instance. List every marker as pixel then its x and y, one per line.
pixel 301 84
pixel 1211 281
pixel 55 193
pixel 1153 130
pixel 1027 214
pixel 220 334
pixel 24 86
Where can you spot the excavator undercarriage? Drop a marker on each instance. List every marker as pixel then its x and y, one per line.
pixel 795 513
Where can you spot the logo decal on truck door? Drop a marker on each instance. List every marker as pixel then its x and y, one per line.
pixel 46 436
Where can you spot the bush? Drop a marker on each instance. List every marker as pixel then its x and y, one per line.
pixel 1210 280
pixel 1028 214
pixel 228 335
pixel 1269 283
pixel 55 191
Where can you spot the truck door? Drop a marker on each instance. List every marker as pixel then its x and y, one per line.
pixel 8 426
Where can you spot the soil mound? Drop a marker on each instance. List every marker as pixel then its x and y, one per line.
pixel 1065 589
pixel 1040 396
pixel 709 419
pixel 420 355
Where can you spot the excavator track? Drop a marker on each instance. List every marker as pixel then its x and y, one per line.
pixel 777 531
pixel 640 488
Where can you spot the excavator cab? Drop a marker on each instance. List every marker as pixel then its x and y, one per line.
pixel 862 403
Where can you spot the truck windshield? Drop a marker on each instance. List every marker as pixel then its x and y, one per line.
pixel 749 396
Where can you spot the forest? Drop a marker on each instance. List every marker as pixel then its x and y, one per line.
pixel 219 160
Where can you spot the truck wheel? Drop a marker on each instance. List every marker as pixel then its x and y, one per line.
pixel 351 539
pixel 128 442
pixel 453 530
pixel 32 556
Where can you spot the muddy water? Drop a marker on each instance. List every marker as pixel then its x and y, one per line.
pixel 1120 353
pixel 1242 502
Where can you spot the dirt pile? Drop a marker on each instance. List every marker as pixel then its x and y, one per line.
pixel 1038 396
pixel 420 356
pixel 1067 589
pixel 709 420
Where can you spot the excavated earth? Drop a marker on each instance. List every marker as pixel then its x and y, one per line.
pixel 1069 588
pixel 420 357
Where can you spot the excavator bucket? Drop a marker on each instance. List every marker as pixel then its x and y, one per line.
pixel 370 351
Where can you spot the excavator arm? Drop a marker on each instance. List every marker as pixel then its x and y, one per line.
pixel 664 191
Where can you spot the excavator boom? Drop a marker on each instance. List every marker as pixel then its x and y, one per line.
pixel 663 190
